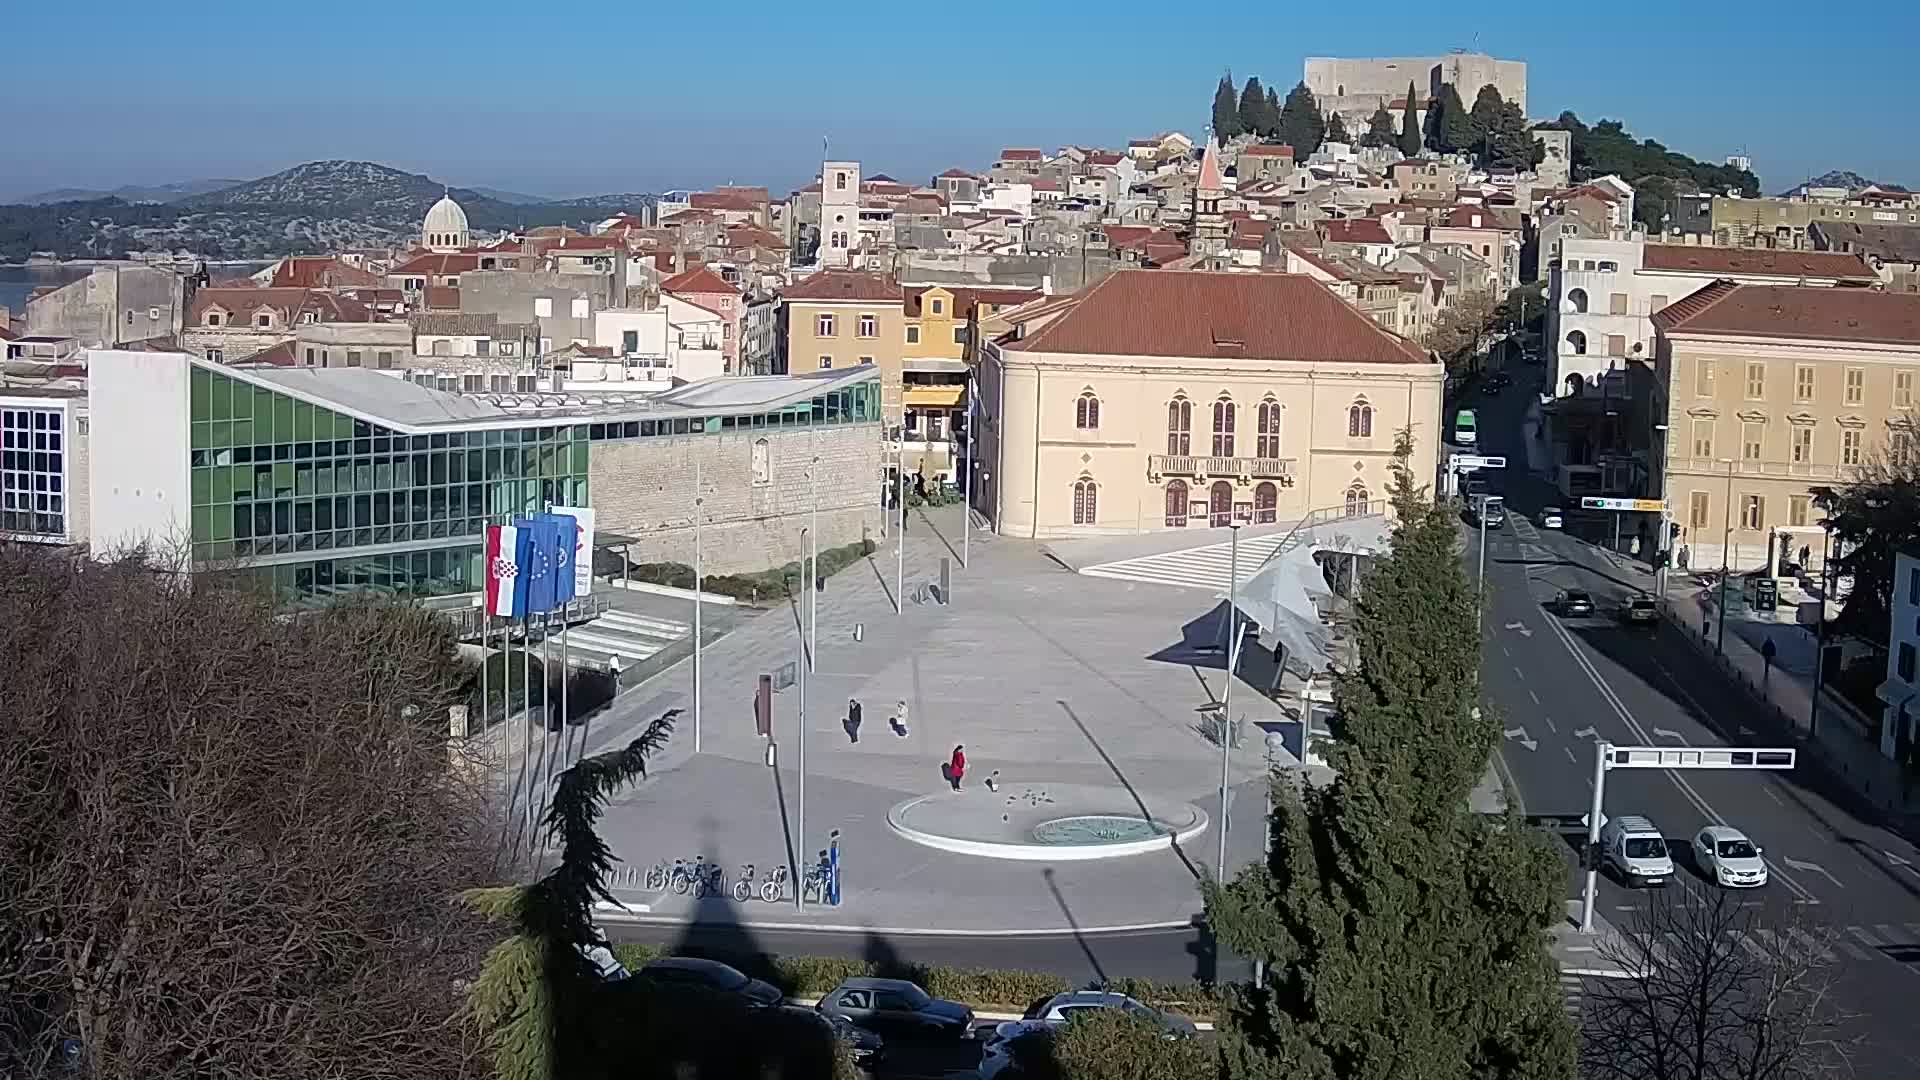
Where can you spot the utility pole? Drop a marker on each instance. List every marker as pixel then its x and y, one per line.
pixel 698 499
pixel 900 552
pixel 1601 751
pixel 810 560
pixel 1481 588
pixel 966 488
pixel 1820 628
pixel 1726 562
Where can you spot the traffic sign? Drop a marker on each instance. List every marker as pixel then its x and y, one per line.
pixel 1592 502
pixel 1475 461
pixel 1703 757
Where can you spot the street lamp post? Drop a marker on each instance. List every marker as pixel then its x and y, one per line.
pixel 809 641
pixel 1820 627
pixel 699 500
pixel 1226 690
pixel 900 552
pixel 966 488
pixel 1726 560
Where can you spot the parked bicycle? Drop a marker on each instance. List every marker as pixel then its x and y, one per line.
pixel 743 885
pixel 713 882
pixel 688 876
pixel 777 887
pixel 660 875
pixel 814 886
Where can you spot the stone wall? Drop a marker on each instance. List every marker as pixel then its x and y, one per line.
pixel 645 488
pixel 111 306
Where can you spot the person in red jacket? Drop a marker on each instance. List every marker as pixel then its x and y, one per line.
pixel 957 767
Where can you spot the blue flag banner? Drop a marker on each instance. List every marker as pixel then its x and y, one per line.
pixel 537 568
pixel 522 559
pixel 565 551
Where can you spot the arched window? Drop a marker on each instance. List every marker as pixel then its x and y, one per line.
pixel 1577 342
pixel 1576 385
pixel 1223 427
pixel 1179 426
pixel 1266 503
pixel 1360 420
pixel 1577 300
pixel 1086 411
pixel 1086 496
pixel 1220 504
pixel 1177 504
pixel 1267 443
pixel 1357 499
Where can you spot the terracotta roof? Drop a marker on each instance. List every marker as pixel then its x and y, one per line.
pixel 1046 185
pixel 965 300
pixel 852 285
pixel 319 272
pixel 1020 154
pixel 955 174
pixel 1105 157
pixel 434 264
pixel 698 280
pixel 1891 243
pixel 1470 217
pixel 1259 317
pixel 1719 260
pixel 282 354
pixel 443 298
pixel 1126 236
pixel 736 200
pixel 1358 231
pixel 290 304
pixel 1210 169
pixel 1728 309
pixel 1267 150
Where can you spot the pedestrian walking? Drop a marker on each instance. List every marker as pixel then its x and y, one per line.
pixel 853 720
pixel 898 721
pixel 957 767
pixel 613 669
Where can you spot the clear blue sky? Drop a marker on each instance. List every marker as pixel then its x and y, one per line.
pixel 580 96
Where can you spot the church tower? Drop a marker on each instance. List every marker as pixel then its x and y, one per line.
pixel 1208 236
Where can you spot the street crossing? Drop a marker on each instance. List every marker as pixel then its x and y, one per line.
pixel 630 637
pixel 1895 942
pixel 1206 567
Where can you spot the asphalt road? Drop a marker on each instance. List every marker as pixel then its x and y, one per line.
pixel 1560 685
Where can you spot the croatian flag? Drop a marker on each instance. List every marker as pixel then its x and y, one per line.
pixel 506 563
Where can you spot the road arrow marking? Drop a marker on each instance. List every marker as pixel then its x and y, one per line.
pixel 1901 863
pixel 1585 733
pixel 1665 734
pixel 1812 868
pixel 1522 627
pixel 1519 734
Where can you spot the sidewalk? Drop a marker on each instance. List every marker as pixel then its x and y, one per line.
pixel 1839 741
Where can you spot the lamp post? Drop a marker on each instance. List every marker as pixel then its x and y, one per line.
pixel 1726 560
pixel 698 501
pixel 900 551
pixel 1820 627
pixel 1226 690
pixel 810 563
pixel 966 488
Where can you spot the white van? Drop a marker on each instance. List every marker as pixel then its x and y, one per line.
pixel 1635 850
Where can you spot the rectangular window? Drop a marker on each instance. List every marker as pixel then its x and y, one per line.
pixel 629 342
pixel 385 360
pixel 1803 382
pixel 1751 436
pixel 1850 447
pixel 1913 587
pixel 1698 505
pixel 1616 345
pixel 823 325
pixel 1904 665
pixel 1797 506
pixel 353 358
pixel 1756 380
pixel 581 308
pixel 869 326
pixel 1703 379
pixel 1703 438
pixel 1802 445
pixel 913 335
pixel 1617 304
pixel 1753 512
pixel 542 307
pixel 826 362
pixel 1658 301
pixel 959 335
pixel 1903 389
pixel 1856 385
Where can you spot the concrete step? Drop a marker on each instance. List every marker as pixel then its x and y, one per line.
pixel 627 622
pixel 627 648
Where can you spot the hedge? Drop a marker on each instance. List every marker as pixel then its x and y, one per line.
pixel 987 989
pixel 769 584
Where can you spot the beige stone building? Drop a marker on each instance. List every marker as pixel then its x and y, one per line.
pixel 845 318
pixel 1772 390
pixel 1187 400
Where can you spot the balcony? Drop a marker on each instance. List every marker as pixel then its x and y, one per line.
pixel 1784 470
pixel 1206 468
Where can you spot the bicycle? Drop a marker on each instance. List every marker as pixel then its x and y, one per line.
pixel 776 887
pixel 658 876
pixel 814 887
pixel 687 875
pixel 712 883
pixel 743 885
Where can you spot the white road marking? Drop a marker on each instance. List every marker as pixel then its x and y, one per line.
pixel 1679 781
pixel 1534 696
pixel 1772 796
pixel 1522 674
pixel 1585 733
pixel 1865 938
pixel 1891 857
pixel 1809 944
pixel 1521 627
pixel 1576 761
pixel 1519 735
pixel 1813 868
pixel 1758 952
pixel 1550 724
pixel 1505 653
pixel 1665 734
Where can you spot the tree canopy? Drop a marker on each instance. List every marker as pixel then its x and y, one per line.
pixel 1409 142
pixel 1337 129
pixel 1226 109
pixel 1253 109
pixel 1300 124
pixel 1607 148
pixel 1872 519
pixel 1449 127
pixel 1379 129
pixel 1403 933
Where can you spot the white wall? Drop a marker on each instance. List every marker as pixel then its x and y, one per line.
pixel 694 340
pixel 137 468
pixel 1904 629
pixel 611 324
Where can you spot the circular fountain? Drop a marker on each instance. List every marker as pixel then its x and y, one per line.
pixel 1046 821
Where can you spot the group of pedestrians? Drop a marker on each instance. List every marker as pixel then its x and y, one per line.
pixel 954 768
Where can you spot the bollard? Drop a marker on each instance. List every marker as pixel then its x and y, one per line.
pixel 859 631
pixel 945 572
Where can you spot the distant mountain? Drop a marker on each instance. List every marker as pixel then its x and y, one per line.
pixel 514 197
pixel 1838 178
pixel 313 208
pixel 129 193
pixel 628 200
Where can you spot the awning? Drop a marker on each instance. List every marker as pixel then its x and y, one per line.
pixel 935 397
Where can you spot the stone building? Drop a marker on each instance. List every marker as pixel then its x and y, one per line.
pixel 113 305
pixel 1355 87
pixel 839 319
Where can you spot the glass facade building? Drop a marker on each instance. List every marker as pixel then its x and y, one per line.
pixel 319 502
pixel 33 472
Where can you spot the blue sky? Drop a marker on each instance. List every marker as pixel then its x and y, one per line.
pixel 633 96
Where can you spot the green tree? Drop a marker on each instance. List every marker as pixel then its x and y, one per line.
pixel 1510 143
pixel 1300 123
pixel 1272 113
pixel 1403 934
pixel 1253 108
pixel 1483 118
pixel 1449 127
pixel 1379 129
pixel 1337 129
pixel 1226 113
pixel 1608 147
pixel 1109 1044
pixel 1410 126
pixel 1872 518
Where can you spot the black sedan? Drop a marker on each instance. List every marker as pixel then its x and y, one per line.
pixel 896 1007
pixel 867 1047
pixel 1574 603
pixel 712 975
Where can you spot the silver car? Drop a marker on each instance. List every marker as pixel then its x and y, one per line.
pixel 1063 1007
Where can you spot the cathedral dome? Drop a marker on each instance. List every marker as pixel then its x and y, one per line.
pixel 446 225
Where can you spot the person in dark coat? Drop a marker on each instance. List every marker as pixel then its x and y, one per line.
pixel 957 767
pixel 852 722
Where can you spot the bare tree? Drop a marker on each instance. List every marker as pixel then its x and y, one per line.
pixel 233 839
pixel 1457 332
pixel 1719 991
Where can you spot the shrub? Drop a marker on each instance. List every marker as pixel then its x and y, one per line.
pixel 765 585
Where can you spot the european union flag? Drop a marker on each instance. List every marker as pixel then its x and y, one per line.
pixel 565 550
pixel 538 566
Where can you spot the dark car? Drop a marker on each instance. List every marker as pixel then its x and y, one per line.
pixel 867 1047
pixel 896 1007
pixel 1574 602
pixel 1641 611
pixel 712 975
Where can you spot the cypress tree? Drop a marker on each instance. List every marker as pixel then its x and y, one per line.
pixel 1337 129
pixel 1485 115
pixel 1253 106
pixel 1226 115
pixel 1379 129
pixel 1403 933
pixel 1410 126
pixel 1449 128
pixel 1272 127
pixel 1510 143
pixel 1301 125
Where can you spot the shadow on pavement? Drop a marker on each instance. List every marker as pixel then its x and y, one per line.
pixel 885 585
pixel 1138 802
pixel 1079 938
pixel 942 537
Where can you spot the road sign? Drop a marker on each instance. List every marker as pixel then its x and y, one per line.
pixel 1475 461
pixel 1591 502
pixel 1698 757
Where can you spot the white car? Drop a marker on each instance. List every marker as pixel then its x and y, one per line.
pixel 1734 861
pixel 1550 518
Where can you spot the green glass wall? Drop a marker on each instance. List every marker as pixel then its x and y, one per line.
pixel 274 477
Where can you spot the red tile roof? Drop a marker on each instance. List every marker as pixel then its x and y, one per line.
pixel 319 272
pixel 289 304
pixel 965 300
pixel 1806 312
pixel 1267 150
pixel 1104 157
pixel 1263 317
pixel 1756 261
pixel 436 265
pixel 698 281
pixel 1020 154
pixel 1046 185
pixel 740 200
pixel 443 298
pixel 955 174
pixel 850 285
pixel 1358 231
pixel 1210 169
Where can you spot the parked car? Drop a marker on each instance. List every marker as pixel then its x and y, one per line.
pixel 867 1047
pixel 897 1007
pixel 713 975
pixel 996 1053
pixel 1497 382
pixel 1063 1007
pixel 1726 854
pixel 1641 610
pixel 1634 849
pixel 1573 603
pixel 1550 518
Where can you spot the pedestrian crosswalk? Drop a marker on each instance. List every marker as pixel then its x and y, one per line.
pixel 1573 997
pixel 1895 942
pixel 1206 567
pixel 623 634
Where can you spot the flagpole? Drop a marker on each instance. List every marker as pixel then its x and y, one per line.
pixel 966 488
pixel 698 499
pixel 526 702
